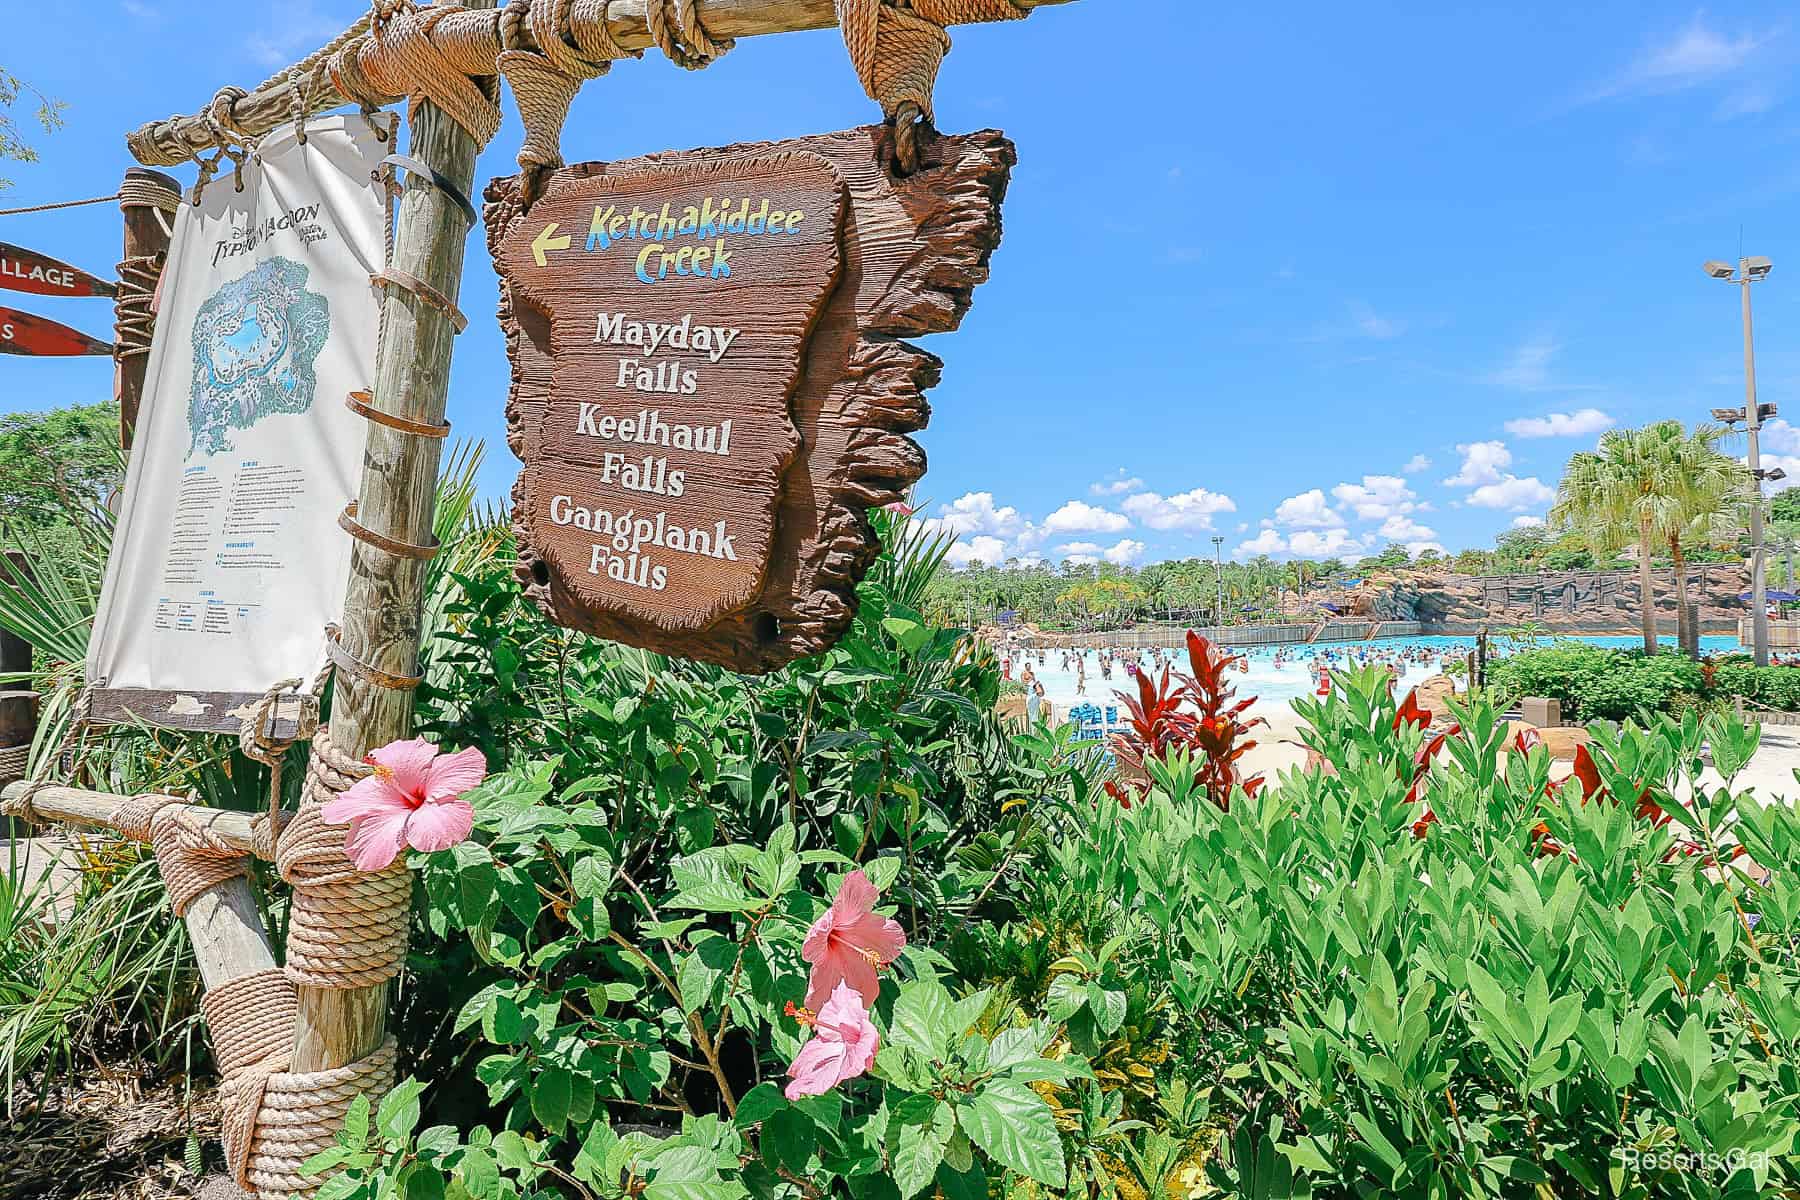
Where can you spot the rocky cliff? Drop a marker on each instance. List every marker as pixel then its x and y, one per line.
pixel 1572 601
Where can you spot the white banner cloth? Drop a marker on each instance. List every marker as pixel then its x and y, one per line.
pixel 227 561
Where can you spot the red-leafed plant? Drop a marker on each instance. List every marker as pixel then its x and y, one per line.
pixel 1212 732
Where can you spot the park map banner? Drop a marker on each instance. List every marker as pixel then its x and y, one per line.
pixel 227 561
pixel 707 391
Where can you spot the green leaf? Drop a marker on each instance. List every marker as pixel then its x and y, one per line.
pixel 338 1187
pixel 550 1093
pixel 355 1134
pixel 757 1104
pixel 479 1174
pixel 1015 1126
pixel 425 1182
pixel 920 1150
pixel 590 878
pixel 788 1138
pixel 922 1019
pixel 882 871
pixel 398 1115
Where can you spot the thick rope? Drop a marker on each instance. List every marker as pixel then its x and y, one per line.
pixel 301 1115
pixel 676 28
pixel 897 53
pixel 347 928
pixel 13 761
pixel 252 1022
pixel 133 320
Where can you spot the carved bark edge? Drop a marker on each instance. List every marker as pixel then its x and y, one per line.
pixel 915 248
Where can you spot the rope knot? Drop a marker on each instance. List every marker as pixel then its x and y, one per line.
pixel 897 52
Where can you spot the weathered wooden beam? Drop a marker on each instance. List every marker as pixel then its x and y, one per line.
pixel 175 140
pixel 223 922
pixel 384 599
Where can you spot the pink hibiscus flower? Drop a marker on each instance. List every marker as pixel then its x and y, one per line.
pixel 849 942
pixel 412 799
pixel 842 1046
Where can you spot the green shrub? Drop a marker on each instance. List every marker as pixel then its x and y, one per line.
pixel 1596 683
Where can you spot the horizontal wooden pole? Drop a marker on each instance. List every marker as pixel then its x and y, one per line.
pixel 94 810
pixel 175 140
pixel 223 922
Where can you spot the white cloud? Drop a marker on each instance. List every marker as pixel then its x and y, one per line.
pixel 1415 464
pixel 1078 516
pixel 1118 485
pixel 1332 543
pixel 1417 548
pixel 983 549
pixel 975 512
pixel 1399 528
pixel 1266 542
pixel 1780 438
pixel 1529 368
pixel 1090 549
pixel 1190 510
pixel 1482 463
pixel 1308 510
pixel 1125 552
pixel 1695 55
pixel 1528 522
pixel 1575 424
pixel 1512 493
pixel 1377 497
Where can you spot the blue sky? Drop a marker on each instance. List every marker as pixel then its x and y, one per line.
pixel 1324 276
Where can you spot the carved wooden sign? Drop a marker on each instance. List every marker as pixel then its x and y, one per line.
pixel 706 391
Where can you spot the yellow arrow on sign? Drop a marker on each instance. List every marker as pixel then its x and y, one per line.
pixel 544 241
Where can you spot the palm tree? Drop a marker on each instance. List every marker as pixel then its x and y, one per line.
pixel 1649 487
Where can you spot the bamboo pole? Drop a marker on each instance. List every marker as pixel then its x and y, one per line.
pixel 383 602
pixel 223 922
pixel 176 139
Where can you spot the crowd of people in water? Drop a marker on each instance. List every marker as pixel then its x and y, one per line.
pixel 1113 667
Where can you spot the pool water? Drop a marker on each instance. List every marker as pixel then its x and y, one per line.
pixel 1280 673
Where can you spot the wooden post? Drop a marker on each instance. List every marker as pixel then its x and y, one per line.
pixel 145 199
pixel 382 605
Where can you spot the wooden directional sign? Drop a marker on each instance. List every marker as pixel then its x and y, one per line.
pixel 23 270
pixel 708 396
pixel 24 333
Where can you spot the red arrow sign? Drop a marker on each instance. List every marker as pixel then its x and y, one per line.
pixel 23 333
pixel 25 270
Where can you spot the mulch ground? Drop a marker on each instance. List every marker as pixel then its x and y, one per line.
pixel 115 1136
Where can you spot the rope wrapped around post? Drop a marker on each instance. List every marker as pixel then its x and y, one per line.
pixel 133 322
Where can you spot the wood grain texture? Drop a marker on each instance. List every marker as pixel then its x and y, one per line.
pixel 384 599
pixel 223 922
pixel 913 251
pixel 199 712
pixel 176 139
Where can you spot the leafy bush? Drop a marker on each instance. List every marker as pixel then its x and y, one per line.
pixel 1596 683
pixel 1532 991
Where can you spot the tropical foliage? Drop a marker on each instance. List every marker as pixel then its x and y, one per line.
pixel 1417 968
pixel 1655 489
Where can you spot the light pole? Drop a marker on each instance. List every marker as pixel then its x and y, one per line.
pixel 1749 271
pixel 1219 570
